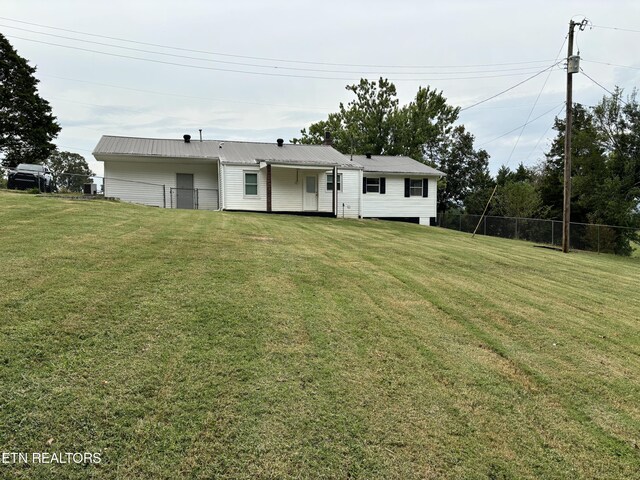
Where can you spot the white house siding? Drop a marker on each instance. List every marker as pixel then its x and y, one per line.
pixel 393 203
pixel 150 183
pixel 349 194
pixel 286 189
pixel 234 197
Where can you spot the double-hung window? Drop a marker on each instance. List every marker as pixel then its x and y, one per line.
pixel 415 188
pixel 330 182
pixel 250 184
pixel 373 185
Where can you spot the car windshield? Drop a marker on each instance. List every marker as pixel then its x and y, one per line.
pixel 30 168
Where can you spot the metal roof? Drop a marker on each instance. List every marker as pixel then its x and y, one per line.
pixel 249 152
pixel 154 147
pixel 225 150
pixel 394 164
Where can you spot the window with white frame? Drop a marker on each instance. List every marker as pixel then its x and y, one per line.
pixel 250 184
pixel 415 187
pixel 330 182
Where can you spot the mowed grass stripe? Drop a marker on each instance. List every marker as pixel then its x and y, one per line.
pixel 231 345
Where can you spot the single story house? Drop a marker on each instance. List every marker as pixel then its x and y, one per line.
pixel 266 177
pixel 398 187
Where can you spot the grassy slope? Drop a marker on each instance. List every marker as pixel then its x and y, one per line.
pixel 199 344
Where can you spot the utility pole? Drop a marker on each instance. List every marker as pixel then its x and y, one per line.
pixel 572 67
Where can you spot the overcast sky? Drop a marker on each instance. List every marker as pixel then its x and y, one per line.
pixel 302 54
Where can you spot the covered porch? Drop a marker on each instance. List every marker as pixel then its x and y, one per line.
pixel 300 188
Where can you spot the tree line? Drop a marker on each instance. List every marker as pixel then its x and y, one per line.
pixel 605 152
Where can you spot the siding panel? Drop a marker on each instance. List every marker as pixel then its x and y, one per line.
pixel 235 198
pixel 286 189
pixel 149 183
pixel 394 204
pixel 349 197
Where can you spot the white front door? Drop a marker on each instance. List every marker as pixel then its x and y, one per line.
pixel 310 195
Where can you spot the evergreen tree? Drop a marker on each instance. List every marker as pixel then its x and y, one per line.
pixel 27 125
pixel 605 167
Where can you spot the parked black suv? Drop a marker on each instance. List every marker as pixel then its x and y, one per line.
pixel 27 176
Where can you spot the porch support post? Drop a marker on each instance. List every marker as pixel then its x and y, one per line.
pixel 268 188
pixel 335 191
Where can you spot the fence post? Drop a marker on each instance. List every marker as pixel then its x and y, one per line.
pixel 516 228
pixel 552 228
pixel 598 238
pixel 164 196
pixel 485 226
pixel 171 196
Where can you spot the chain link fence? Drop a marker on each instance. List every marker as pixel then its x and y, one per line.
pixel 133 191
pixel 159 195
pixel 582 236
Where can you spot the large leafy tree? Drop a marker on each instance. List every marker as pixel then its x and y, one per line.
pixel 365 125
pixel 518 199
pixel 71 170
pixel 424 126
pixel 27 125
pixel 468 181
pixel 605 167
pixel 517 194
pixel 375 123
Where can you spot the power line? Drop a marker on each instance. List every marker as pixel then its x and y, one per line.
pixel 178 95
pixel 510 88
pixel 535 103
pixel 75 148
pixel 545 133
pixel 277 67
pixel 495 188
pixel 611 64
pixel 269 74
pixel 512 107
pixel 603 87
pixel 522 126
pixel 269 59
pixel 59 99
pixel 616 28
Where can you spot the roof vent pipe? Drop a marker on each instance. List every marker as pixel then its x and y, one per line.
pixel 187 138
pixel 200 134
pixel 368 155
pixel 280 142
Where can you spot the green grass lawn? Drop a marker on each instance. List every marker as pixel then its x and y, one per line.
pixel 194 344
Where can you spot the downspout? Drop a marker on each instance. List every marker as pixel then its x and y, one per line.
pixel 360 175
pixel 220 187
pixel 335 191
pixel 268 187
